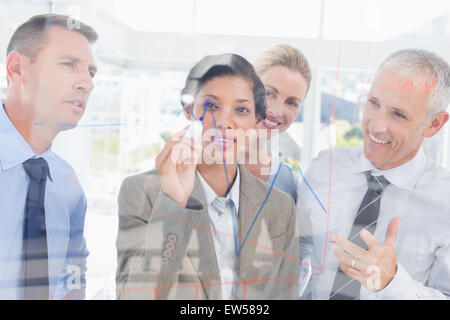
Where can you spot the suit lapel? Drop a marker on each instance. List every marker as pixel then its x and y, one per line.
pixel 250 202
pixel 202 253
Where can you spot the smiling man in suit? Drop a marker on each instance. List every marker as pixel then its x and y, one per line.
pixel 386 233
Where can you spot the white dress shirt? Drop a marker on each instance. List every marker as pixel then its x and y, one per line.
pixel 418 194
pixel 221 214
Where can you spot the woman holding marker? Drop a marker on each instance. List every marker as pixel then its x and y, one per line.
pixel 199 229
pixel 286 76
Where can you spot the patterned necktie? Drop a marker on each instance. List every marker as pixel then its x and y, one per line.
pixel 345 287
pixel 35 255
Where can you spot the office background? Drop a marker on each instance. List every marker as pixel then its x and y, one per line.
pixel 146 48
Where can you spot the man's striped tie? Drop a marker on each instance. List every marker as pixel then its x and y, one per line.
pixel 345 287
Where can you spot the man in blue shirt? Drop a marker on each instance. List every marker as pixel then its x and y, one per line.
pixel 50 68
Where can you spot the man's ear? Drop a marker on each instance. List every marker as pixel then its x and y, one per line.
pixel 436 124
pixel 15 65
pixel 187 110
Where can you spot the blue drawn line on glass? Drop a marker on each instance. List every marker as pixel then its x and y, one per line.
pixel 238 250
pixel 260 208
pixel 299 170
pixel 118 124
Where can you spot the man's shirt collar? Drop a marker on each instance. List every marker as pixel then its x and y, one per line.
pixel 404 176
pixel 15 149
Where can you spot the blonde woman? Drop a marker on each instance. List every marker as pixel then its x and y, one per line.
pixel 286 75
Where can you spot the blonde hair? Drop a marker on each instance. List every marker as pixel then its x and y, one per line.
pixel 286 56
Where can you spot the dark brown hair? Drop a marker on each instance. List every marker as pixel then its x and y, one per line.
pixel 227 64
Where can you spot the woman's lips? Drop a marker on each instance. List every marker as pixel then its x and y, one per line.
pixel 223 141
pixel 271 123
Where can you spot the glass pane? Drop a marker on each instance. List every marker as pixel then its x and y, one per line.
pixel 383 20
pixel 136 102
pixel 346 102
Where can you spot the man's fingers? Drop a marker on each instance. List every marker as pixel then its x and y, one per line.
pixel 369 239
pixel 391 233
pixel 345 258
pixel 350 247
pixel 351 272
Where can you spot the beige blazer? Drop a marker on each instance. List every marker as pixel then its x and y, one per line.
pixel 165 251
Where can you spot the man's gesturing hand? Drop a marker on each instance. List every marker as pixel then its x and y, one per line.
pixel 375 267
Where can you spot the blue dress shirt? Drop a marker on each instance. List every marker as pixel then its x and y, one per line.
pixel 65 209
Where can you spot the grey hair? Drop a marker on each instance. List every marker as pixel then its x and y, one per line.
pixel 413 60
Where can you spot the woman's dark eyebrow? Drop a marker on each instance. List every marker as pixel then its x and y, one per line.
pixel 243 100
pixel 296 98
pixel 211 96
pixel 216 98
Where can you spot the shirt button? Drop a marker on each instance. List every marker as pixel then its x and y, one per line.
pixel 221 252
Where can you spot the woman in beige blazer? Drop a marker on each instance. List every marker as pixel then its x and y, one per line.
pixel 201 226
